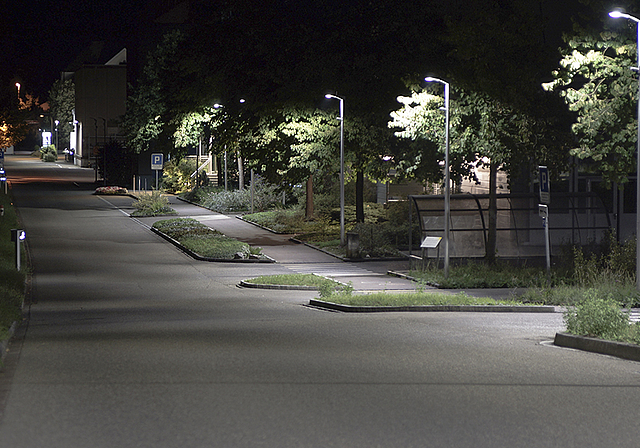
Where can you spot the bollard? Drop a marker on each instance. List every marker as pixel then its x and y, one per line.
pixel 17 236
pixel 353 245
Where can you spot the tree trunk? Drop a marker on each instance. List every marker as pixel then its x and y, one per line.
pixel 359 196
pixel 492 237
pixel 308 212
pixel 240 173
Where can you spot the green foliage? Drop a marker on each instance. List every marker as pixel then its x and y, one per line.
pixel 152 204
pixel 203 240
pixel 153 103
pixel 417 298
pixel 176 175
pixel 49 153
pixel 265 196
pixel 598 316
pixel 281 220
pixel 330 291
pixel 62 103
pixel 482 275
pixel 483 130
pixel 293 279
pixel 596 83
pixel 12 282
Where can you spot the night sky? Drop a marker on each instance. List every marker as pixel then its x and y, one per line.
pixel 41 38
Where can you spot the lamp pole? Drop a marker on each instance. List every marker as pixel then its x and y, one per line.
pixel 447 187
pixel 341 100
pixel 57 123
pixel 618 15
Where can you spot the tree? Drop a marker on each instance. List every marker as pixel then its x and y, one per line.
pixel 16 122
pixel 62 103
pixel 483 132
pixel 149 116
pixel 595 82
pixel 300 142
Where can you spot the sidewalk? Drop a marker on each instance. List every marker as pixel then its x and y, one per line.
pixel 299 258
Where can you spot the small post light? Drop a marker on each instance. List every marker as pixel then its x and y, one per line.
pixel 17 236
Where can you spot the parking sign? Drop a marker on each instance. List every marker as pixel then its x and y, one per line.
pixel 156 161
pixel 545 194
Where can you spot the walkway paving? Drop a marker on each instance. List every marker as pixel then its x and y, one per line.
pixel 299 258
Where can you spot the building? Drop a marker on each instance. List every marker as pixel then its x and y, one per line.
pixel 100 102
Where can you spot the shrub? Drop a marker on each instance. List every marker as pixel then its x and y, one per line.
pixel 598 317
pixel 49 153
pixel 265 197
pixel 176 175
pixel 112 190
pixel 152 204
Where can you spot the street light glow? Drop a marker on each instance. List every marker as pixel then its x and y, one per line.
pixel 617 14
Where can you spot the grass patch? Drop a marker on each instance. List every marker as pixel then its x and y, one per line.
pixel 12 282
pixel 204 240
pixel 294 280
pixel 601 317
pixel 152 204
pixel 413 299
pixel 480 275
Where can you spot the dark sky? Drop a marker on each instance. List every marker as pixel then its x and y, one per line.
pixel 41 37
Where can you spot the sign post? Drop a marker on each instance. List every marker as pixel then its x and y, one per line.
pixel 543 210
pixel 156 164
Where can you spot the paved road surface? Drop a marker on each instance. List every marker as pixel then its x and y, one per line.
pixel 130 343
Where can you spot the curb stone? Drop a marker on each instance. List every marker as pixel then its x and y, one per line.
pixel 601 346
pixel 280 287
pixel 434 308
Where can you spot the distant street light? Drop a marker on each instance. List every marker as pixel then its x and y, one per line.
pixel 18 87
pixel 447 191
pixel 618 15
pixel 328 96
pixel 57 123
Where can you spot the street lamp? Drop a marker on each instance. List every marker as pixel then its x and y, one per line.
pixel 57 123
pixel 329 96
pixel 447 192
pixel 618 15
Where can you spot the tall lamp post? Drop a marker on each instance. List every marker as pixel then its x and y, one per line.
pixel 328 96
pixel 447 191
pixel 618 15
pixel 57 123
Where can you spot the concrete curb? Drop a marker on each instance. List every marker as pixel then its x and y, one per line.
pixel 192 254
pixel 434 308
pixel 280 287
pixel 601 346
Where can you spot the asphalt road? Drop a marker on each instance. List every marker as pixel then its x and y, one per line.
pixel 130 343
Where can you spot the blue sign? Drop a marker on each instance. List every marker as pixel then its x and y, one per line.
pixel 545 193
pixel 156 161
